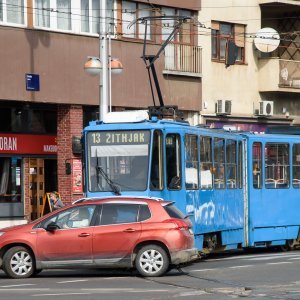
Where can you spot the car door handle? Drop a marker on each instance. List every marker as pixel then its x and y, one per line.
pixel 83 234
pixel 129 230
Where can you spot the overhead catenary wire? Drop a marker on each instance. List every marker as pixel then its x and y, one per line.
pixel 113 21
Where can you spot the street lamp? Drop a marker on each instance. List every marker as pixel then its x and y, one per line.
pixel 93 67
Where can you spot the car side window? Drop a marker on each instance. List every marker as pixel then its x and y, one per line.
pixel 116 213
pixel 75 217
pixel 144 212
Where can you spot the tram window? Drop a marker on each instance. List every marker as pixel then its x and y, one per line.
pixel 231 165
pixel 240 166
pixel 219 163
pixel 156 181
pixel 173 161
pixel 256 165
pixel 191 162
pixel 206 165
pixel 296 166
pixel 277 166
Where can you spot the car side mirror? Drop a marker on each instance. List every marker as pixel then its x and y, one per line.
pixel 52 227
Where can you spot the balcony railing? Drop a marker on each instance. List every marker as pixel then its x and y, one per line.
pixel 183 59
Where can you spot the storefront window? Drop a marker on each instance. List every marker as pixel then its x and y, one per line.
pixel 23 119
pixel 10 179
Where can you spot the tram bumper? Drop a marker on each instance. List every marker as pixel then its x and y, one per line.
pixel 184 256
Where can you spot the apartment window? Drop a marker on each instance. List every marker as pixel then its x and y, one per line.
pixel 76 15
pixel 221 33
pixel 12 11
pixel 132 11
pixel 55 14
pixel 184 35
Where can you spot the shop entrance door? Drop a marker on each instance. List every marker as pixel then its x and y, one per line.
pixel 36 186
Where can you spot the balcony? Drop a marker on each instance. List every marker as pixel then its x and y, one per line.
pixel 287 79
pixel 183 60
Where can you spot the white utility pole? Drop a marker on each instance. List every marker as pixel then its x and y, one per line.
pixel 103 105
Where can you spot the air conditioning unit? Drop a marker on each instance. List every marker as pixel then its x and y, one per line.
pixel 223 107
pixel 266 108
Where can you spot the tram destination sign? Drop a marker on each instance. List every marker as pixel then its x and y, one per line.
pixel 119 137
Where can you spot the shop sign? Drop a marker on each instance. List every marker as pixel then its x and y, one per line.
pixel 77 176
pixel 251 127
pixel 27 144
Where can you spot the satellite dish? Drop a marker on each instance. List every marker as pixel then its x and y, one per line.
pixel 267 39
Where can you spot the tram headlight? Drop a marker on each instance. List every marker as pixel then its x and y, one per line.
pixel 1 233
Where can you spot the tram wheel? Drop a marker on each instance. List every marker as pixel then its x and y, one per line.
pixel 290 244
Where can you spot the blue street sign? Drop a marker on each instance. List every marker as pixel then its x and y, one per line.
pixel 32 82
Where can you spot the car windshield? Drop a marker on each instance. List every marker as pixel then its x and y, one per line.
pixel 118 160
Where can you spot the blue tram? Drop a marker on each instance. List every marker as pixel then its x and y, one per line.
pixel 239 189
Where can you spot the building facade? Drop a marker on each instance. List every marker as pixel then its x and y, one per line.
pixel 261 89
pixel 46 97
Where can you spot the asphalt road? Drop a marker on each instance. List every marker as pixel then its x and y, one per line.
pixel 259 275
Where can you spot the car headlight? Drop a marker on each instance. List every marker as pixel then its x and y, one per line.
pixel 1 233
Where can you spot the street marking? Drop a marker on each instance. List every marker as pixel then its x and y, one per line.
pixel 203 270
pixel 239 267
pixel 16 285
pixel 245 257
pixel 29 289
pixel 274 257
pixel 71 281
pixel 294 258
pixel 280 263
pixel 109 289
pixel 61 294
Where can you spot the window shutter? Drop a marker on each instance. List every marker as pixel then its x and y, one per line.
pixel 239 32
pixel 215 25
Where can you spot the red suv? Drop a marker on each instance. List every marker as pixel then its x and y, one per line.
pixel 150 235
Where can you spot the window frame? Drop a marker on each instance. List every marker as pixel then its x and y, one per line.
pixel 235 35
pixel 13 24
pixel 295 184
pixel 206 166
pixel 229 165
pixel 194 155
pixel 278 166
pixel 138 29
pixel 75 18
pixel 159 135
pixel 178 163
pixel 178 37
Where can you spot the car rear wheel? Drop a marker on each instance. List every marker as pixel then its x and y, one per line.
pixel 152 261
pixel 18 262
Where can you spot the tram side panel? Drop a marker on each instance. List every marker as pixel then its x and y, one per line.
pixel 273 207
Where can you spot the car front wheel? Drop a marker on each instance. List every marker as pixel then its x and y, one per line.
pixel 18 262
pixel 152 261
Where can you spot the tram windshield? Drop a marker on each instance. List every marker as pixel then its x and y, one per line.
pixel 118 160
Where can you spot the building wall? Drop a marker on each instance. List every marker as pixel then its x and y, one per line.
pixel 69 124
pixel 59 59
pixel 238 83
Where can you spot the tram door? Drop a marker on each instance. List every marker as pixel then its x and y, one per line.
pixel 175 190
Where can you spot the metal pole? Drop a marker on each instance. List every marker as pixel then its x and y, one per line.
pixel 103 58
pixel 109 70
